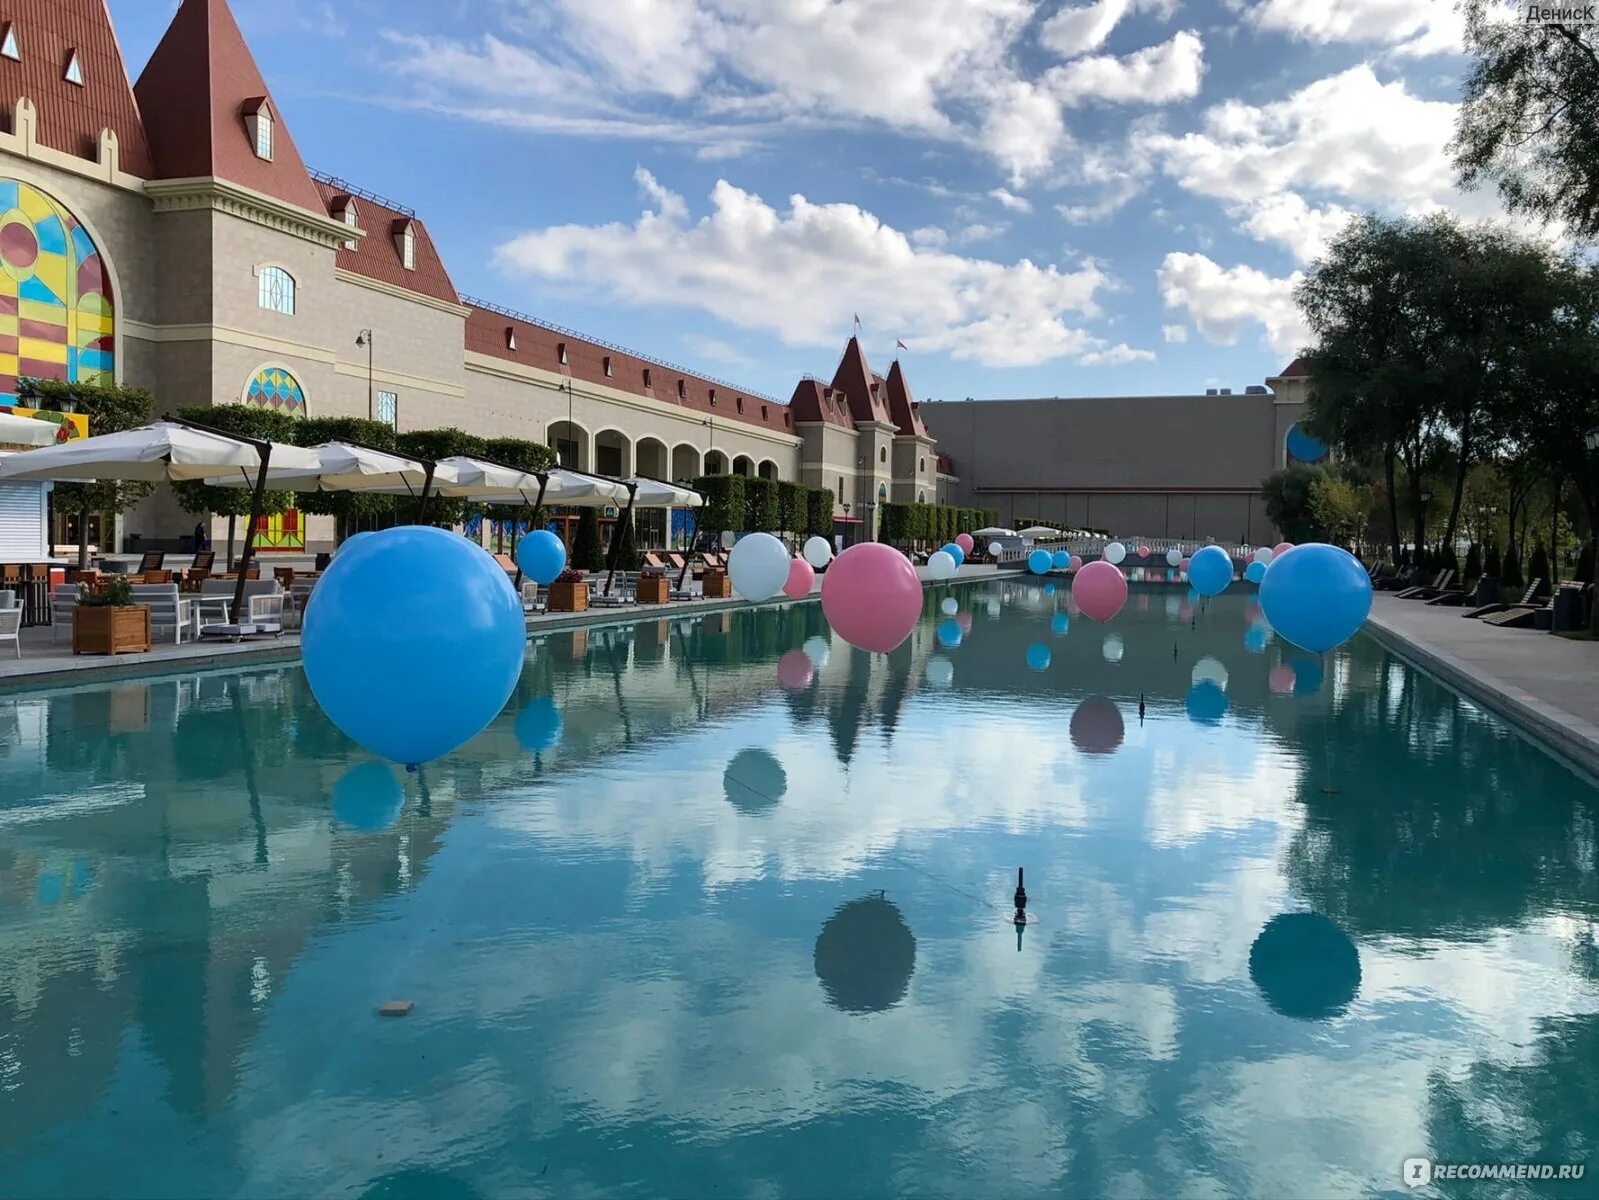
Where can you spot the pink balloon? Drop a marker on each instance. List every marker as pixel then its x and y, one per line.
pixel 1096 726
pixel 872 597
pixel 1143 552
pixel 965 542
pixel 1252 613
pixel 1185 611
pixel 1143 601
pixel 1281 680
pixel 1077 562
pixel 794 671
pixel 1183 566
pixel 964 620
pixel 1281 548
pixel 1101 590
pixel 801 578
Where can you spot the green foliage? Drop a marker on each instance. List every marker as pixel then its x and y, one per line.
pixel 627 555
pixel 347 507
pixel 819 512
pixel 1492 566
pixel 1473 568
pixel 1289 495
pixel 1530 119
pixel 931 524
pixel 586 555
pixel 724 503
pixel 435 444
pixel 246 420
pixel 1511 576
pixel 532 457
pixel 1585 564
pixel 760 506
pixel 792 512
pixel 1538 568
pixel 1340 507
pixel 118 592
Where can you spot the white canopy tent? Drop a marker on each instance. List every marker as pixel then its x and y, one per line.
pixel 993 531
pixel 657 493
pixel 1039 531
pixel 342 467
pixel 26 431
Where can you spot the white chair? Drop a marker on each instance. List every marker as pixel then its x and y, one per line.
pixel 8 599
pixel 294 604
pixel 63 604
pixel 263 601
pixel 168 609
pixel 11 627
pixel 531 603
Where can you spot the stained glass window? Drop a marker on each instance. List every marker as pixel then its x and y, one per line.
pixel 273 387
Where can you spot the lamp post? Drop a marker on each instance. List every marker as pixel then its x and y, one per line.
pixel 364 338
pixel 1421 532
pixel 845 507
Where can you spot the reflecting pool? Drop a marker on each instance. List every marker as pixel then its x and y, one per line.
pixel 719 906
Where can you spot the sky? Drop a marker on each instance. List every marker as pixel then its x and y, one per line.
pixel 1037 197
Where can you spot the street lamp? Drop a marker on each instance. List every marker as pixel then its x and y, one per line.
pixel 364 338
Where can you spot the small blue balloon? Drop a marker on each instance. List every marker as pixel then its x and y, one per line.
pixel 368 797
pixel 1210 571
pixel 1207 703
pixel 1039 562
pixel 1255 639
pixel 415 642
pixel 1316 596
pixel 539 725
pixel 949 634
pixel 1038 657
pixel 955 552
pixel 542 557
pixel 1062 560
pixel 1060 624
pixel 1255 572
pixel 1049 589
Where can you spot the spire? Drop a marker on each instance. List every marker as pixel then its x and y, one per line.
pixel 48 36
pixel 901 405
pixel 854 378
pixel 203 100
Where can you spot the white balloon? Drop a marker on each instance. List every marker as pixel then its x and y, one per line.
pixel 993 608
pixel 940 671
pixel 1210 670
pixel 950 606
pixel 1114 553
pixel 941 565
pixel 1174 557
pixel 758 566
pixel 818 649
pixel 1113 648
pixel 729 539
pixel 993 549
pixel 818 552
pixel 1264 556
pixel 1172 605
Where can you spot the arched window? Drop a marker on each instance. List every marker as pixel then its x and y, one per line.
pixel 276 291
pixel 921 497
pixel 882 454
pixel 921 466
pixel 882 491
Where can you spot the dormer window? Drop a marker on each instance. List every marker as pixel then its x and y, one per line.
pixel 712 392
pixel 349 215
pixel 608 371
pixel 74 71
pixel 740 402
pixel 682 391
pixel 646 377
pixel 405 243
pixel 8 43
pixel 510 337
pixel 258 123
pixel 763 412
pixel 560 353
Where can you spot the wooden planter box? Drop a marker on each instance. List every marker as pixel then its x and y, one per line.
pixel 654 589
pixel 568 597
pixel 715 586
pixel 99 629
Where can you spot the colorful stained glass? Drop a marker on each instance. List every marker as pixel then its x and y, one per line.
pixel 57 315
pixel 273 387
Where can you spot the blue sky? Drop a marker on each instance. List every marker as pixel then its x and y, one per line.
pixel 1037 197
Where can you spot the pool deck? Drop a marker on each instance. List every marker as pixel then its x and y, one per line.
pixel 46 663
pixel 1548 685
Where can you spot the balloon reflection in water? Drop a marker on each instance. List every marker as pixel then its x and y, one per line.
pixel 754 781
pixel 1049 589
pixel 1113 648
pixel 1206 704
pixel 1256 638
pixel 538 725
pixel 1308 676
pixel 964 621
pixel 1060 624
pixel 795 671
pixel 368 797
pixel 1038 657
pixel 1209 670
pixel 1281 679
pixel 949 606
pixel 940 671
pixel 865 956
pixel 1305 966
pixel 1096 726
pixel 950 634
pixel 819 650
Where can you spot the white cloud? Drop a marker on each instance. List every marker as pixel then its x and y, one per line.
pixel 1115 356
pixel 823 261
pixel 1074 31
pixel 979 231
pixel 668 202
pixel 1287 220
pixel 1010 200
pixel 929 235
pixel 1176 334
pixel 1155 75
pixel 1411 27
pixel 1222 302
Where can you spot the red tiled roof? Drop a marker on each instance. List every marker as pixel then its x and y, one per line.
pixel 71 117
pixel 946 464
pixel 539 346
pixel 854 378
pixel 901 406
pixel 1295 369
pixel 193 95
pixel 813 400
pixel 376 256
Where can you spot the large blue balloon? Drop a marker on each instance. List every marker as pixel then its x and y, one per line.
pixel 538 725
pixel 1316 596
pixel 1038 657
pixel 368 797
pixel 415 642
pixel 1255 639
pixel 1061 560
pixel 1255 572
pixel 955 552
pixel 1039 562
pixel 1207 703
pixel 1210 571
pixel 542 556
pixel 949 634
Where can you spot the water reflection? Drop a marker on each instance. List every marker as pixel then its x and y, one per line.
pixel 1305 966
pixel 865 956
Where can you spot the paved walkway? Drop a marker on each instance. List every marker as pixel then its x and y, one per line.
pixel 1548 685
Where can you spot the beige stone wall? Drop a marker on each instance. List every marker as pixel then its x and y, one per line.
pixel 416 354
pixel 831 461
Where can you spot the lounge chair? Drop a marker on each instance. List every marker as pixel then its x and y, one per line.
pixel 1520 616
pixel 1528 600
pixel 204 562
pixel 263 602
pixel 63 604
pixel 11 627
pixel 1451 597
pixel 1429 591
pixel 151 561
pixel 1402 578
pixel 653 562
pixel 168 609
pixel 508 564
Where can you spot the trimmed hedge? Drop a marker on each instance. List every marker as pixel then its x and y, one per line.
pixel 761 507
pixel 819 518
pixel 743 504
pixel 913 524
pixel 724 503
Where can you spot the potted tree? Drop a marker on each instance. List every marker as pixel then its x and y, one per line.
pixel 109 622
pixel 569 592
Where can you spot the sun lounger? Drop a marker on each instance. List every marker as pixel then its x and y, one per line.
pixel 1429 591
pixel 1525 602
pixel 151 561
pixel 1520 616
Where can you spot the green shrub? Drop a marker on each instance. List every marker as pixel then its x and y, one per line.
pixel 724 503
pixel 586 554
pixel 760 506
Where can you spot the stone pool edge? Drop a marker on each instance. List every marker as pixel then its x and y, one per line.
pixel 1557 731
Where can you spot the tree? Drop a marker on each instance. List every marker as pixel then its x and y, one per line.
pixel 523 455
pixel 247 420
pixel 1529 122
pixel 1491 566
pixel 346 508
pixel 724 503
pixel 586 554
pixel 110 409
pixel 1340 507
pixel 627 556
pixel 761 506
pixel 1539 567
pixel 435 444
pixel 1473 562
pixel 1288 502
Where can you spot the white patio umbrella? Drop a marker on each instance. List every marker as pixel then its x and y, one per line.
pixel 1038 531
pixel 25 431
pixel 342 467
pixel 994 531
pixel 657 493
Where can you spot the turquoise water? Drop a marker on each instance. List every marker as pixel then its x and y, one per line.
pixel 672 928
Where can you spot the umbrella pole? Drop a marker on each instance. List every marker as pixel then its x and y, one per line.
pixel 688 550
pixel 427 490
pixel 616 535
pixel 257 501
pixel 544 482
